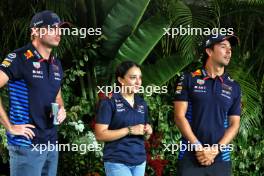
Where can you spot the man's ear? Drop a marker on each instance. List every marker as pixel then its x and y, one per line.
pixel 119 79
pixel 208 51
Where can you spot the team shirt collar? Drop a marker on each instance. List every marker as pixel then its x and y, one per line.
pixel 120 97
pixel 32 52
pixel 205 75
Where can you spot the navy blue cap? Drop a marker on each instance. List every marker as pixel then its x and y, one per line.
pixel 47 18
pixel 217 38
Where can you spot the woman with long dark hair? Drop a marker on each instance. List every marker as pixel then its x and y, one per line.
pixel 122 123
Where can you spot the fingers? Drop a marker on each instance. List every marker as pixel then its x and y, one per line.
pixel 61 115
pixel 138 129
pixel 141 129
pixel 29 126
pixel 148 129
pixel 28 133
pixel 24 130
pixel 207 163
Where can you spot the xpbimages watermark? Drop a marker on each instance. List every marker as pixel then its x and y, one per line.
pixel 181 31
pixel 81 148
pixel 148 90
pixel 174 148
pixel 81 32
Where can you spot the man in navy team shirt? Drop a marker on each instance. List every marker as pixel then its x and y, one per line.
pixel 34 78
pixel 207 112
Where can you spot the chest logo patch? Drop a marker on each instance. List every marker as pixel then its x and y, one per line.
pixel 200 89
pixel 200 81
pixel 140 109
pixel 226 91
pixel 119 106
pixel 36 65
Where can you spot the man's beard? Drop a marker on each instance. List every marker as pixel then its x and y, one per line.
pixel 48 45
pixel 222 63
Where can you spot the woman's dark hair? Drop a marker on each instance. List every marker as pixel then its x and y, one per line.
pixel 122 69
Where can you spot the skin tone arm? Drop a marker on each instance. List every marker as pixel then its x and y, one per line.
pixel 210 153
pixel 180 109
pixel 62 111
pixel 148 130
pixel 24 129
pixel 102 132
pixel 231 131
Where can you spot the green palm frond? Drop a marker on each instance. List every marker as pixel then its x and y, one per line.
pixel 165 69
pixel 251 101
pixel 138 46
pixel 121 21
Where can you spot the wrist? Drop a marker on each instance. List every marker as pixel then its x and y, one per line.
pixel 129 130
pixel 216 149
pixel 10 128
pixel 197 145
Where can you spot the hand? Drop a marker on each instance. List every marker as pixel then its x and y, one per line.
pixel 148 129
pixel 207 155
pixel 61 115
pixel 137 129
pixel 23 130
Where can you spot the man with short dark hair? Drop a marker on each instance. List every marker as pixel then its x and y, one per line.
pixel 34 78
pixel 207 112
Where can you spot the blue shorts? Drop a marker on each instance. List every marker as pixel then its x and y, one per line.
pixel 27 162
pixel 119 169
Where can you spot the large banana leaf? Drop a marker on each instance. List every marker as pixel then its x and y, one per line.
pixel 120 22
pixel 138 46
pixel 251 104
pixel 165 69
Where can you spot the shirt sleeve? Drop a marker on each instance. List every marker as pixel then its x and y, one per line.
pixel 182 88
pixel 11 66
pixel 59 65
pixel 236 106
pixel 61 68
pixel 105 112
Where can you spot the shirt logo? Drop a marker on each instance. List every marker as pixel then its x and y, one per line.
pixel 12 55
pixel 200 81
pixel 226 87
pixel 226 91
pixel 36 65
pixel 119 106
pixel 37 54
pixel 6 63
pixel 197 73
pixel 140 109
pixel 28 54
pixel 178 89
pixel 200 89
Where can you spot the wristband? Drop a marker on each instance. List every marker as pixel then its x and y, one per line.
pixel 129 130
pixel 219 147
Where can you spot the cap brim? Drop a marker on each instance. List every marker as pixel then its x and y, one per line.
pixel 65 25
pixel 234 40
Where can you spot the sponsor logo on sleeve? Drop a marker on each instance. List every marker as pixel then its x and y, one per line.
pixel 11 55
pixel 6 62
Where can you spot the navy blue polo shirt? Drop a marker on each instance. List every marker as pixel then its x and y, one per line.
pixel 117 113
pixel 33 85
pixel 210 103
